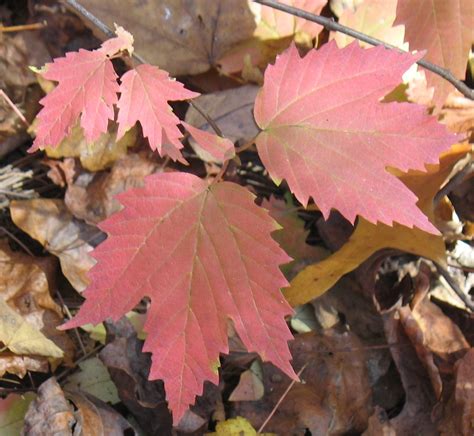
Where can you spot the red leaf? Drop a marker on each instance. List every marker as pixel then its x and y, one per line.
pixel 145 92
pixel 327 134
pixel 211 148
pixel 87 85
pixel 445 29
pixel 203 254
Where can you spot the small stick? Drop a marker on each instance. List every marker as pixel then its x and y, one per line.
pixel 12 236
pixel 330 24
pixel 76 331
pixel 14 107
pixel 22 27
pixel 281 399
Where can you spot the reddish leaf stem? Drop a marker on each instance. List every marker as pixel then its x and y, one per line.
pixel 330 24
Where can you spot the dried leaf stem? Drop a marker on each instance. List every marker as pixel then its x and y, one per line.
pixel 330 24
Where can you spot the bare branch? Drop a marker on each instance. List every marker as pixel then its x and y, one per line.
pixel 330 24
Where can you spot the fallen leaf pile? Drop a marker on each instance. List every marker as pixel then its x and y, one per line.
pixel 223 219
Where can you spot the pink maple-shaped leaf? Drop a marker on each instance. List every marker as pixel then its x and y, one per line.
pixel 87 85
pixel 204 255
pixel 145 92
pixel 326 132
pixel 445 29
pixel 210 147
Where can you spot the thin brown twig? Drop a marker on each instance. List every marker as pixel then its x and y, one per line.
pixel 245 146
pixel 12 236
pixel 281 399
pixel 23 27
pixel 69 316
pixel 453 182
pixel 67 371
pixel 14 107
pixel 330 24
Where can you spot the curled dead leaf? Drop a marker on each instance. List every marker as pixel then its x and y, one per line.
pixel 92 196
pixel 53 226
pixel 29 316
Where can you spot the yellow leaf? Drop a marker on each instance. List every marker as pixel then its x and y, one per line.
pixel 367 239
pixel 236 427
pixel 20 337
pixel 97 156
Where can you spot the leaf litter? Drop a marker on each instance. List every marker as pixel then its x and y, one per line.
pixel 387 348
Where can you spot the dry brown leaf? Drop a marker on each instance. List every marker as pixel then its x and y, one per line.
pixel 458 113
pixel 335 397
pixel 24 291
pixel 92 196
pixel 49 412
pixel 128 368
pixel 94 417
pixel 191 36
pixel 292 237
pixel 230 109
pixel 415 417
pixel 64 413
pixel 250 386
pixel 379 424
pixel 464 393
pixel 53 226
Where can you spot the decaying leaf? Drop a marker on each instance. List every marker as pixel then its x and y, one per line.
pixel 217 219
pixel 458 113
pixel 53 226
pixel 250 387
pixel 94 379
pixel 49 413
pixel 29 317
pixel 95 156
pixel 230 109
pixel 335 396
pixel 416 414
pixel 292 236
pixel 464 395
pixel 62 413
pixel 128 367
pixel 192 35
pixel 92 196
pixel 236 427
pixel 332 140
pixel 368 238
